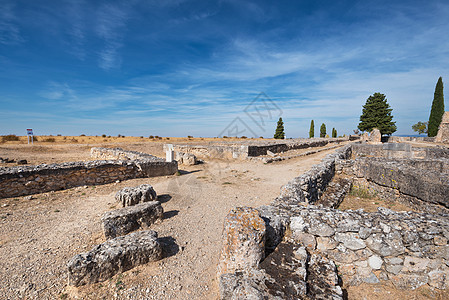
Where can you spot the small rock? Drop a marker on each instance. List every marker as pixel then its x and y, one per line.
pixel 375 262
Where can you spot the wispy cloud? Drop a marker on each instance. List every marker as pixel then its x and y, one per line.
pixel 111 25
pixel 9 28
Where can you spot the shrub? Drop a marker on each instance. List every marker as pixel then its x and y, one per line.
pixel 103 135
pixel 157 137
pixel 243 137
pixel 151 137
pixel 82 134
pixel 190 136
pixel 59 134
pixel 49 140
pixel 225 137
pixel 10 138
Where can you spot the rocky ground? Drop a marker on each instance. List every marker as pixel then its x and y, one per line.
pixel 40 233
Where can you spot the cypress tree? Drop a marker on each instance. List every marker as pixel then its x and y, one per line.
pixel 376 113
pixel 279 134
pixel 334 133
pixel 312 129
pixel 323 130
pixel 437 111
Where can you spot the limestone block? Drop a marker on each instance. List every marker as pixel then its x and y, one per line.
pixel 375 136
pixel 243 240
pixel 133 195
pixel 375 262
pixel 124 220
pixel 408 282
pixel 114 256
pixel 187 159
pixel 350 240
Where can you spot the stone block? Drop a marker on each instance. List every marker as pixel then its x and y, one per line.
pixel 243 245
pixel 122 221
pixel 375 262
pixel 187 159
pixel 375 137
pixel 133 195
pixel 114 256
pixel 350 240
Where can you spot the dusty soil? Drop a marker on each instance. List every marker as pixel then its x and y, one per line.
pixel 39 234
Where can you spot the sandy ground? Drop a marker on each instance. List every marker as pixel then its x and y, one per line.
pixel 39 235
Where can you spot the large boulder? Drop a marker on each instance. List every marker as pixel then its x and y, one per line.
pixel 114 256
pixel 243 240
pixel 124 220
pixel 133 195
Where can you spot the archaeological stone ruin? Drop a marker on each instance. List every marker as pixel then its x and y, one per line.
pixel 114 164
pixel 301 246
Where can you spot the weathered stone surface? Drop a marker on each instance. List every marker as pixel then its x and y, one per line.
pixel 408 282
pixel 122 221
pixel 394 269
pixel 443 129
pixel 375 137
pixel 350 240
pixel 305 239
pixel 323 279
pixel 375 262
pixel 129 196
pixel 114 256
pixel 187 159
pixel 325 243
pixel 415 264
pixel 243 240
pixel 439 279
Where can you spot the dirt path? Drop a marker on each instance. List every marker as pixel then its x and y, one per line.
pixel 39 235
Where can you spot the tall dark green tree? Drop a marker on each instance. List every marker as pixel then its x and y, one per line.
pixel 323 130
pixel 312 129
pixel 437 111
pixel 376 113
pixel 279 133
pixel 334 133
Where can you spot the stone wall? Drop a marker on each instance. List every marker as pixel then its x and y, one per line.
pixel 27 180
pixel 252 149
pixel 397 150
pixel 311 185
pixel 409 249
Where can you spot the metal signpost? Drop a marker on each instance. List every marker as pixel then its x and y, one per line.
pixel 30 134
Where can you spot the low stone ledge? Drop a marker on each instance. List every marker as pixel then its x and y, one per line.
pixel 122 221
pixel 129 196
pixel 114 256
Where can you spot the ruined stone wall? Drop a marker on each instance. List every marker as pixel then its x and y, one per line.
pixel 253 149
pixel 120 154
pixel 409 249
pixel 27 180
pixel 311 185
pixel 396 150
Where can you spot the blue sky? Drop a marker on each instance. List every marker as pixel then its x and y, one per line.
pixel 178 68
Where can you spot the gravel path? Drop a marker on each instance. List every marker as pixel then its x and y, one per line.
pixel 39 235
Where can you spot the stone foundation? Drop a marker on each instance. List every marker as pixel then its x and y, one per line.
pixel 27 180
pixel 409 249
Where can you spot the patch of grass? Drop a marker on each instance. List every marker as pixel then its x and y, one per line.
pixel 49 140
pixel 83 194
pixel 362 192
pixel 63 296
pixel 202 177
pixel 178 173
pixel 119 283
pixel 227 182
pixel 57 210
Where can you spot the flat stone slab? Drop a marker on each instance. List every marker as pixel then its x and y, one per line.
pixel 125 220
pixel 114 256
pixel 129 196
